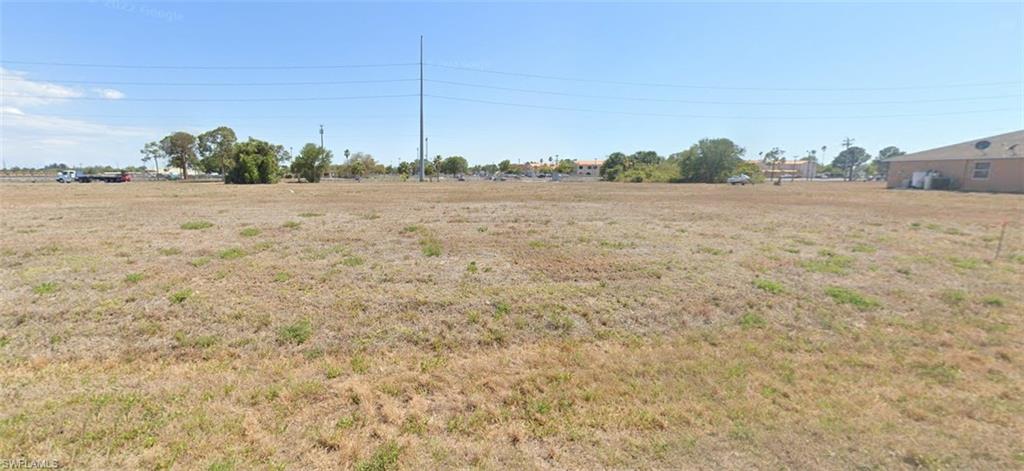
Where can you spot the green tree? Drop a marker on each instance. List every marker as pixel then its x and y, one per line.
pixel 751 170
pixel 775 158
pixel 180 148
pixel 152 151
pixel 311 162
pixel 454 165
pixel 709 160
pixel 850 160
pixel 613 165
pixel 566 166
pixel 881 163
pixel 504 165
pixel 215 149
pixel 255 161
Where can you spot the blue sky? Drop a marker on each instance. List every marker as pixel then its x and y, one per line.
pixel 796 76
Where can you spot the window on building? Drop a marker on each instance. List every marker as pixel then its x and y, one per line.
pixel 981 170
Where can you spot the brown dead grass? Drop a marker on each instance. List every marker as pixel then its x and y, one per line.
pixel 600 326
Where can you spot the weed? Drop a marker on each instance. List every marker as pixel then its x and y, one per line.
pixel 282 276
pixel 471 268
pixel 965 263
pixel 768 286
pixel 384 458
pixel 430 246
pixel 751 320
pixel 848 296
pixel 953 296
pixel 863 248
pixel 295 333
pixel 196 225
pixel 939 372
pixel 202 341
pixel 45 287
pixel 501 309
pixel 180 296
pixel 352 261
pixel 249 232
pixel 222 465
pixel 310 215
pixel 828 262
pixel 411 229
pixel 708 250
pixel 332 371
pixel 993 301
pixel 169 251
pixel 359 364
pixel 133 278
pixel 291 225
pixel 199 262
pixel 231 254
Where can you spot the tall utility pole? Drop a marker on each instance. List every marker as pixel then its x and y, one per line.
pixel 321 138
pixel 846 144
pixel 420 147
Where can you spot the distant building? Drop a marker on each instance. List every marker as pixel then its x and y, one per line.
pixel 588 168
pixel 791 169
pixel 993 164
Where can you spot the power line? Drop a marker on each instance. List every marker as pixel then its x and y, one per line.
pixel 704 102
pixel 210 100
pixel 209 67
pixel 718 87
pixel 203 84
pixel 670 115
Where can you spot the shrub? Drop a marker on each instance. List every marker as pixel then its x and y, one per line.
pixel 296 333
pixel 249 232
pixel 768 286
pixel 847 296
pixel 196 225
pixel 180 296
pixel 255 162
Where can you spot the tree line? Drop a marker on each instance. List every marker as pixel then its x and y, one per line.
pixel 715 160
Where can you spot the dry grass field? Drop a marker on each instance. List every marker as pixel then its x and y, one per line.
pixel 510 325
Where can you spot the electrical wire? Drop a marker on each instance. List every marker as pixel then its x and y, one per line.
pixel 204 84
pixel 210 67
pixel 210 100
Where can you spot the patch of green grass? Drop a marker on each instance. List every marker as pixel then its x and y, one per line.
pixel 310 215
pixel 471 268
pixel 231 254
pixel 199 262
pixel 201 341
pixel 196 225
pixel 45 287
pixel 411 229
pixel 222 465
pixel 828 262
pixel 708 250
pixel 752 320
pixel 359 364
pixel 430 247
pixel 768 286
pixel 965 263
pixel 384 458
pixel 848 296
pixel 953 297
pixel 282 276
pixel 352 261
pixel 993 301
pixel 863 248
pixel 291 225
pixel 250 232
pixel 133 278
pixel 179 297
pixel 939 372
pixel 169 251
pixel 296 333
pixel 501 309
pixel 332 371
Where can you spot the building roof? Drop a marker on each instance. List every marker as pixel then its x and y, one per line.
pixel 589 162
pixel 1003 146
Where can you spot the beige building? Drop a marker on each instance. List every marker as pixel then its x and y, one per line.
pixel 993 164
pixel 789 169
pixel 588 168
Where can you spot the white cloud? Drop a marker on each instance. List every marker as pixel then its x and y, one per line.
pixel 17 121
pixel 109 93
pixel 34 93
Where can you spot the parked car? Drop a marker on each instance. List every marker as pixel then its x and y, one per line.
pixel 741 179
